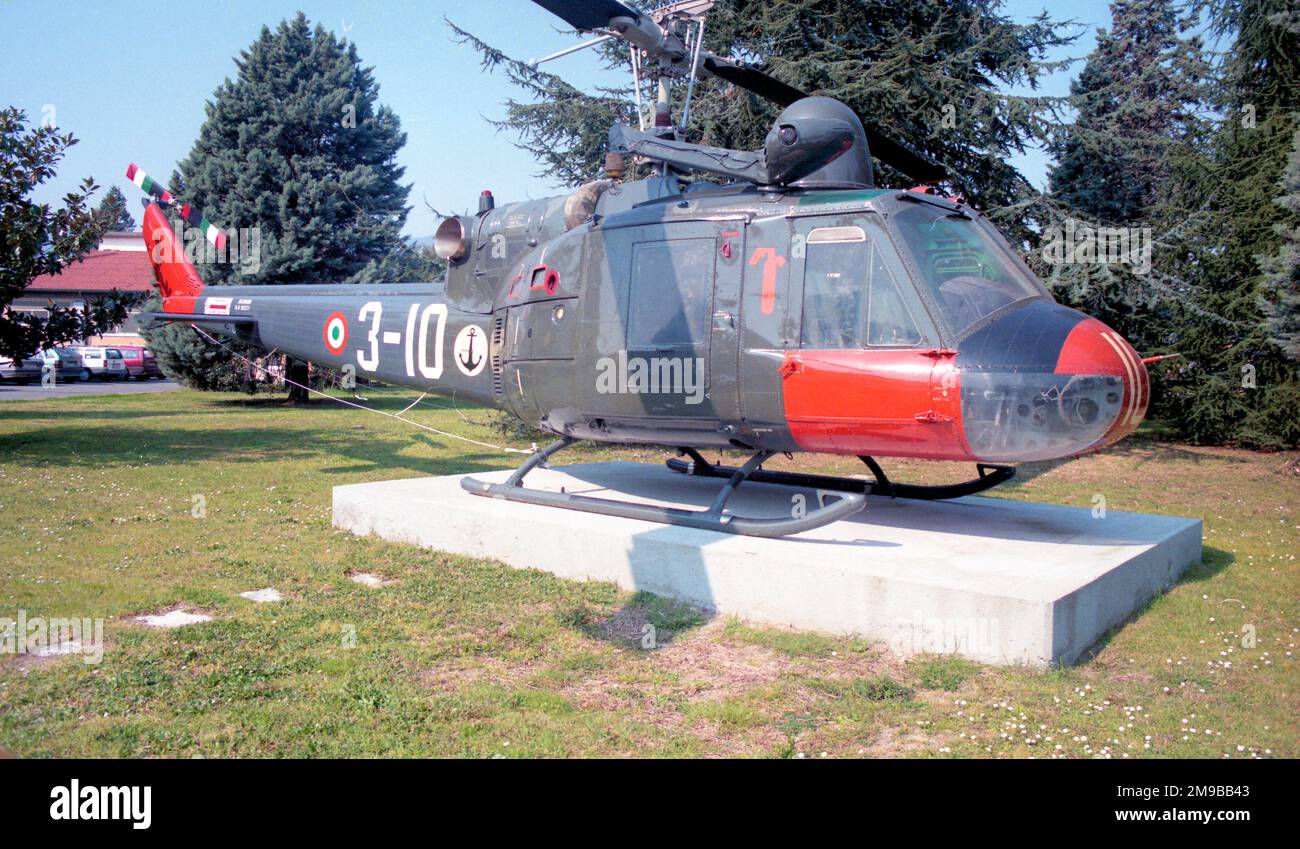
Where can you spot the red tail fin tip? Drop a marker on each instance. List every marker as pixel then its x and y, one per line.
pixel 175 274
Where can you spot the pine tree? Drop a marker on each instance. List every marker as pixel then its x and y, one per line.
pixel 297 147
pixel 1135 97
pixel 928 72
pixel 37 239
pixel 113 209
pixel 1236 384
pixel 1280 283
pixel 1136 103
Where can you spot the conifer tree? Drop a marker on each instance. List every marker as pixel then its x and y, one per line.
pixel 113 209
pixel 1236 383
pixel 1137 102
pixel 297 147
pixel 1280 283
pixel 1135 98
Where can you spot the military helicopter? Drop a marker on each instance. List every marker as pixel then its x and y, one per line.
pixel 792 306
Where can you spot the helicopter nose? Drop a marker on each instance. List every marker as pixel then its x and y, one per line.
pixel 1093 348
pixel 1047 382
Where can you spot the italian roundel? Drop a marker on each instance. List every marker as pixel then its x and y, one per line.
pixel 336 333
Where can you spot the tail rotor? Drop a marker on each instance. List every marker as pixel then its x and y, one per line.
pixel 191 216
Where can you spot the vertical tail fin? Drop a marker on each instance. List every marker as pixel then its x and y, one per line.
pixel 175 274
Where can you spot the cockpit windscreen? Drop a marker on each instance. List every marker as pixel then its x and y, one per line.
pixel 966 269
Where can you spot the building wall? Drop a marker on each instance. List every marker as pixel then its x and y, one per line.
pixel 127 333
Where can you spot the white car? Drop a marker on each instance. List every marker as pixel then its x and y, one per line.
pixel 21 372
pixel 102 363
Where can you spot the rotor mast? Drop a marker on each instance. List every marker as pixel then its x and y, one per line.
pixel 667 45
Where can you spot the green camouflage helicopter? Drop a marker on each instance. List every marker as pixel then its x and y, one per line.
pixel 792 306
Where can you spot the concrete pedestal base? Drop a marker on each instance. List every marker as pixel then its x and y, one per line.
pixel 997 581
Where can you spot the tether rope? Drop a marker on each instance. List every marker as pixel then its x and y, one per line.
pixel 345 402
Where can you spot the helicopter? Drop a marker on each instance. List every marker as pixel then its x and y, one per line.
pixel 786 304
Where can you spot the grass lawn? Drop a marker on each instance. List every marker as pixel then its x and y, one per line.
pixel 463 657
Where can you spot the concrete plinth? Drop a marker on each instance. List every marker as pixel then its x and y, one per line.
pixel 998 581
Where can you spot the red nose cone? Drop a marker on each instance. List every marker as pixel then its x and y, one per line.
pixel 1093 348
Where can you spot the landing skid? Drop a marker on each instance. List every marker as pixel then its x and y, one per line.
pixel 714 518
pixel 989 477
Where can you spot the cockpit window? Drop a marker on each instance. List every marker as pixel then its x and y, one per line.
pixel 850 299
pixel 966 270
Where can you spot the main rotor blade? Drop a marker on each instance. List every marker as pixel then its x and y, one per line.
pixel 588 15
pixel 893 153
pixel 902 157
pixel 752 79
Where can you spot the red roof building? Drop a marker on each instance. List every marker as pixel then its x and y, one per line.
pixel 120 263
pixel 99 273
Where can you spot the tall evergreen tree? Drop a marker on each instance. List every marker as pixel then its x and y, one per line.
pixel 1280 283
pixel 1137 104
pixel 297 147
pixel 1237 384
pixel 1136 97
pixel 113 209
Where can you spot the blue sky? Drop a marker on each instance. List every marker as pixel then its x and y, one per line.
pixel 131 82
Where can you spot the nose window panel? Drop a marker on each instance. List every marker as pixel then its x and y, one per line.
pixel 1015 416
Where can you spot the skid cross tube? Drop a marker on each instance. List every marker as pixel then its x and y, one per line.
pixel 711 519
pixel 989 477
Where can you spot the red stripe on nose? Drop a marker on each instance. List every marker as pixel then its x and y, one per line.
pixel 1093 348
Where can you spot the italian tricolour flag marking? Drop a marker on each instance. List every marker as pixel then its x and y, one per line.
pixel 192 216
pixel 336 333
pixel 147 184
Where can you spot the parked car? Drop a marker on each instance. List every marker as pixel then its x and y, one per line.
pixel 66 363
pixel 102 363
pixel 140 362
pixel 70 366
pixel 21 372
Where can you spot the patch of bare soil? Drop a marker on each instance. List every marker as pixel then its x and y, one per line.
pixel 728 743
pixel 696 667
pixel 894 742
pixel 626 626
pixel 712 668
pixel 174 616
pixel 370 579
pixel 704 666
pixel 25 663
pixel 487 670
